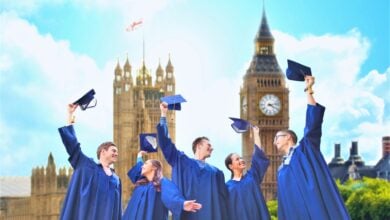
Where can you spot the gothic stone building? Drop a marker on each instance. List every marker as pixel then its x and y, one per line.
pixel 136 111
pixel 39 197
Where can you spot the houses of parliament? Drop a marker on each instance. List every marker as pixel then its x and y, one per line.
pixel 136 100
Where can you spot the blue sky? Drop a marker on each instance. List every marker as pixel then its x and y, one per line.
pixel 51 51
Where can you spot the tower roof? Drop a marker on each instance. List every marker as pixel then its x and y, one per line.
pixel 169 67
pixel 159 68
pixel 264 32
pixel 264 60
pixel 50 161
pixel 127 64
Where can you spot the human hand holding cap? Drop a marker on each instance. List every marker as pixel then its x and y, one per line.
pixel 173 101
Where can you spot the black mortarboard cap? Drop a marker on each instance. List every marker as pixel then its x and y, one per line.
pixel 85 101
pixel 296 71
pixel 148 142
pixel 173 101
pixel 240 125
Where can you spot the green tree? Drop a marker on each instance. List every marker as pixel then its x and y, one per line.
pixel 273 209
pixel 367 198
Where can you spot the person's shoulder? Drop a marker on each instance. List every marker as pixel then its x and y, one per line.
pixel 214 168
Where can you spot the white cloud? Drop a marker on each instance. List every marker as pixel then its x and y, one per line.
pixel 59 76
pixel 355 108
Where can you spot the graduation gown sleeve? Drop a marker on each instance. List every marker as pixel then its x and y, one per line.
pixel 260 164
pixel 306 189
pixel 91 194
pixel 134 173
pixel 172 197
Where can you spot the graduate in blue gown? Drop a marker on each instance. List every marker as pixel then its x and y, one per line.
pixel 154 195
pixel 306 189
pixel 195 178
pixel 246 202
pixel 94 191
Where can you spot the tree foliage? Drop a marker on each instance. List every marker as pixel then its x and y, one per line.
pixel 366 199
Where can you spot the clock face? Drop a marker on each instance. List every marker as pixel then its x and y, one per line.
pixel 270 104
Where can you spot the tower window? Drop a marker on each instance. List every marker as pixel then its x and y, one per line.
pixel 264 50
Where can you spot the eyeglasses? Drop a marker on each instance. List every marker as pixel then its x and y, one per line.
pixel 279 135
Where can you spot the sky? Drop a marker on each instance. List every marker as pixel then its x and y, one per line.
pixel 52 51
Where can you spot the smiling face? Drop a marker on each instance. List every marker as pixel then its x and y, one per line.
pixel 238 164
pixel 110 155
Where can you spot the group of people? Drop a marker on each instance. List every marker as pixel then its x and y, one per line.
pixel 198 190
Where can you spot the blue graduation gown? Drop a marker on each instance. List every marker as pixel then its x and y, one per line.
pixel 245 198
pixel 148 204
pixel 195 179
pixel 306 189
pixel 92 194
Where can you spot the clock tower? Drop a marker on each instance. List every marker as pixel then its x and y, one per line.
pixel 264 102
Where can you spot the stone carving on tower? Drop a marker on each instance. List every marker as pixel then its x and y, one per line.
pixel 264 102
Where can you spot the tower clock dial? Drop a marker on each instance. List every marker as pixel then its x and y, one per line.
pixel 270 104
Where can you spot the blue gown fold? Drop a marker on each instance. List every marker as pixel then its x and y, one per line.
pixel 91 193
pixel 196 180
pixel 246 202
pixel 306 189
pixel 148 204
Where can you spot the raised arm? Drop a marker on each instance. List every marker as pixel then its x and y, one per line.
pixel 134 173
pixel 169 150
pixel 260 162
pixel 314 116
pixel 70 141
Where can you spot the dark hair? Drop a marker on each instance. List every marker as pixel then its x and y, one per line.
pixel 105 146
pixel 197 141
pixel 228 161
pixel 156 178
pixel 292 134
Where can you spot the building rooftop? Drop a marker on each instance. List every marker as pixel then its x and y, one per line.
pixel 15 186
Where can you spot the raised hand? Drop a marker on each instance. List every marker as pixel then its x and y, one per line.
pixel 164 109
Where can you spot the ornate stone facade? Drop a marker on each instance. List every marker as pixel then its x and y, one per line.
pixel 136 111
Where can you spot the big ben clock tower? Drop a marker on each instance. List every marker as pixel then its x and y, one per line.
pixel 264 102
